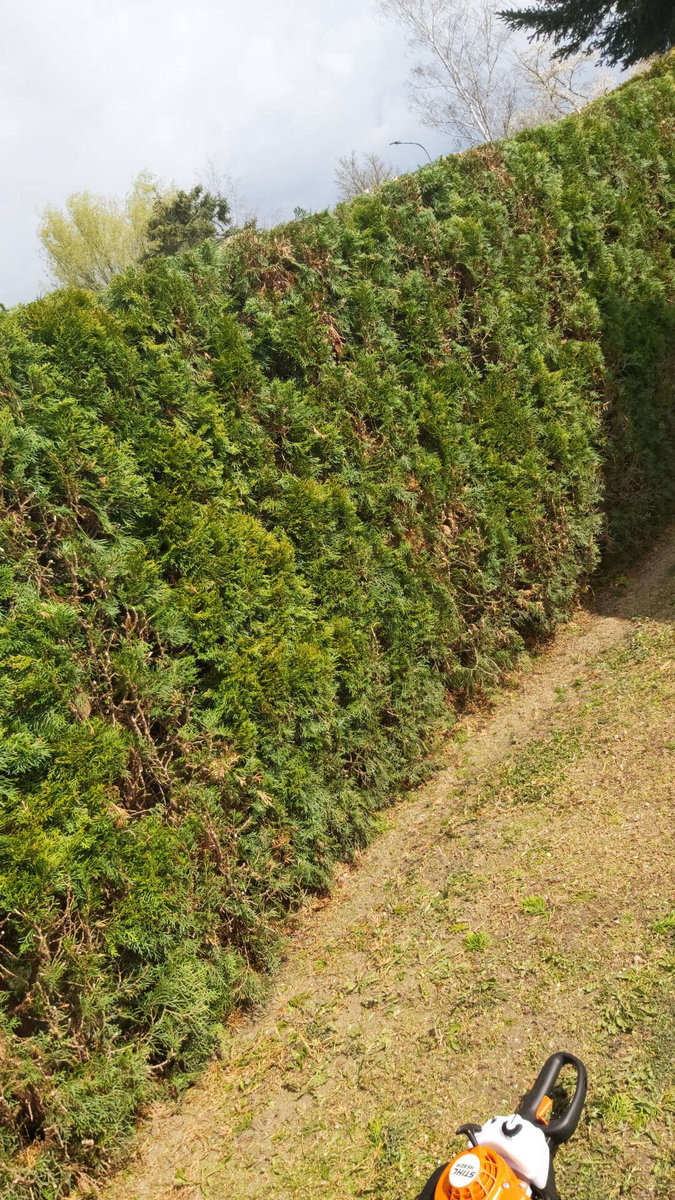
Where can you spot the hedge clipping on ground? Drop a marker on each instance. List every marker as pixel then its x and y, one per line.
pixel 268 512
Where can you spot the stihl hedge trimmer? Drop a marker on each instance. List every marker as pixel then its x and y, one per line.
pixel 511 1157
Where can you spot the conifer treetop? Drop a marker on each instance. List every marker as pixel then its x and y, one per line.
pixel 620 33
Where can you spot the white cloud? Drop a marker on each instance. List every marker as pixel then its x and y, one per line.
pixel 270 91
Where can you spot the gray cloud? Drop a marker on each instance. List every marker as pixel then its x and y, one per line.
pixel 271 92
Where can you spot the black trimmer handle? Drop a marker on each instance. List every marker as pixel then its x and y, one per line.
pixel 561 1128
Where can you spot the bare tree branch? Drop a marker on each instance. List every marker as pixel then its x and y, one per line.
pixel 558 87
pixel 354 177
pixel 472 81
pixel 465 83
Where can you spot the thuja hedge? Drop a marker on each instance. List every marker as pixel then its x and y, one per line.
pixel 268 514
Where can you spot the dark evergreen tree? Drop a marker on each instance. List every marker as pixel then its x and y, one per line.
pixel 623 32
pixel 185 219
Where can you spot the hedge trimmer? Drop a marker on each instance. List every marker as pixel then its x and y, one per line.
pixel 511 1157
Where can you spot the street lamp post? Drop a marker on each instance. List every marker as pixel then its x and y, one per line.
pixel 413 144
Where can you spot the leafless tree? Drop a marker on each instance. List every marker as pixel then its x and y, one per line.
pixel 465 83
pixel 220 183
pixel 472 80
pixel 557 87
pixel 354 176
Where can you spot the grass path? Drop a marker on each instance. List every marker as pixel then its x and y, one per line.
pixel 522 901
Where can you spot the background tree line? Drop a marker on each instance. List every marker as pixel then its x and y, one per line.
pixel 96 237
pixel 472 78
pixel 475 80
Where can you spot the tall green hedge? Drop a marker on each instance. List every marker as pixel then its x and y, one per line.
pixel 268 514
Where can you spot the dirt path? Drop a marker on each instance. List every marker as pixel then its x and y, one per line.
pixel 517 903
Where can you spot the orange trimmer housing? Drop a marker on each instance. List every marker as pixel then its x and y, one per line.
pixel 528 1139
pixel 480 1174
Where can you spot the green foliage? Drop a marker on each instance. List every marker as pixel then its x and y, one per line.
pixel 477 942
pixel 623 33
pixel 181 220
pixel 268 511
pixel 96 238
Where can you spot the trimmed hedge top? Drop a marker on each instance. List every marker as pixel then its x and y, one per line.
pixel 268 514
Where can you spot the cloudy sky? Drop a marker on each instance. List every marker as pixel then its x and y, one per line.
pixel 271 92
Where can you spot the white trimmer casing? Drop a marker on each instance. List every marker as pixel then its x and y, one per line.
pixel 521 1144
